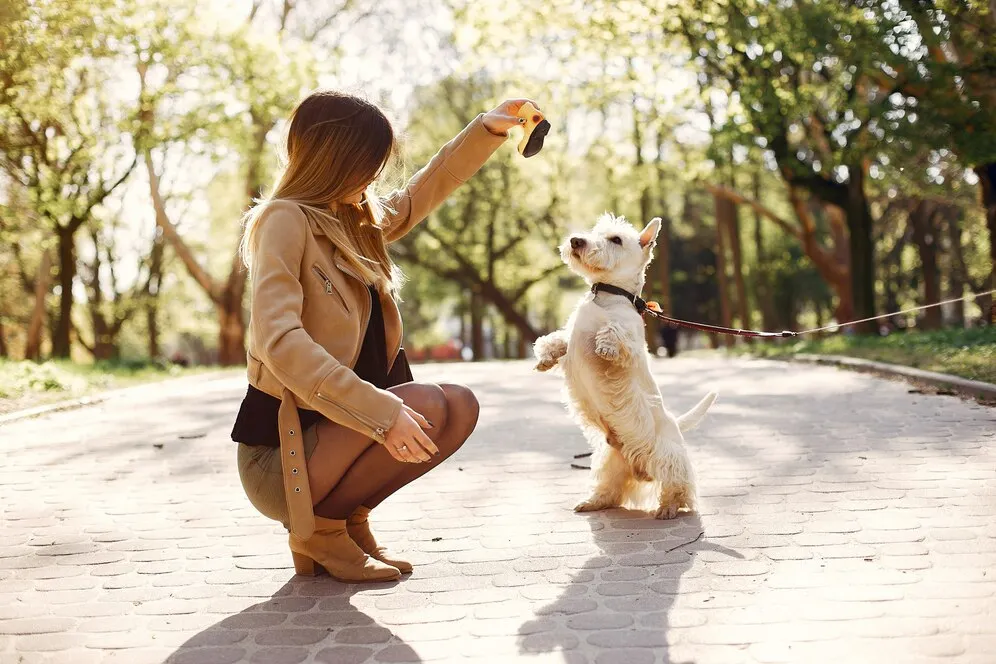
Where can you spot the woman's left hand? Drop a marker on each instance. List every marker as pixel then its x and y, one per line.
pixel 503 117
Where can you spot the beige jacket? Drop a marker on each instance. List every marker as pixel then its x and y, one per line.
pixel 309 312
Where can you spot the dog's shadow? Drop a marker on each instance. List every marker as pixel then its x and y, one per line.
pixel 308 619
pixel 622 598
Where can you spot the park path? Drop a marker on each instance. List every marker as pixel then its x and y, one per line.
pixel 844 518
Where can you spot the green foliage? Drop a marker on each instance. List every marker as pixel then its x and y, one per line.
pixel 28 382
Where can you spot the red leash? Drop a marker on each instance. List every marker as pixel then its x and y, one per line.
pixel 654 309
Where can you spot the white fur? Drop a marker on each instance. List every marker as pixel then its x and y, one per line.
pixel 611 392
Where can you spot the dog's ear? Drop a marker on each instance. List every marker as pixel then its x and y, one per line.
pixel 649 234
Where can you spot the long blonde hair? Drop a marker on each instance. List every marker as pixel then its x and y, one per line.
pixel 337 143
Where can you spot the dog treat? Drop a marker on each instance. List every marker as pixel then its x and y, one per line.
pixel 535 130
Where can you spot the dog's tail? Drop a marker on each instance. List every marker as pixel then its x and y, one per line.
pixel 691 419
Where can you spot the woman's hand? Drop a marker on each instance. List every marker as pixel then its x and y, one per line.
pixel 503 117
pixel 406 440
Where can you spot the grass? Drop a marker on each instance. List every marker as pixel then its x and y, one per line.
pixel 29 384
pixel 966 353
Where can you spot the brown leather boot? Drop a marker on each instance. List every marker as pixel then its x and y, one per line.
pixel 359 529
pixel 332 548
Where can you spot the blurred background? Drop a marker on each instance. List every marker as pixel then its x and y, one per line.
pixel 813 162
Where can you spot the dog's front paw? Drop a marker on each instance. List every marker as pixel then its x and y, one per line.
pixel 545 364
pixel 610 343
pixel 607 350
pixel 549 350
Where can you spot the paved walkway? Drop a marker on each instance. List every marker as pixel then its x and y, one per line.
pixel 844 520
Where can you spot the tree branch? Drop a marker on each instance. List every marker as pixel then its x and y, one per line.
pixel 195 269
pixel 740 199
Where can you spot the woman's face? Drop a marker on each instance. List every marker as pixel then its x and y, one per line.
pixel 356 197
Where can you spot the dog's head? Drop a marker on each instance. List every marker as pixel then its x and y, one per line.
pixel 613 251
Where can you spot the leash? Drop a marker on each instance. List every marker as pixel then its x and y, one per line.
pixel 643 307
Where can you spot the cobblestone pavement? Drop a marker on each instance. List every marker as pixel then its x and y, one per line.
pixel 844 519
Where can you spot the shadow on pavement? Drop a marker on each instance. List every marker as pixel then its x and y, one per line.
pixel 621 599
pixel 308 619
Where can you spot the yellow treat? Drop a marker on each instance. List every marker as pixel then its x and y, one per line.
pixel 535 129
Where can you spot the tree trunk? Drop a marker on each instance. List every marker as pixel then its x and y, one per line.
pixel 987 181
pixel 3 341
pixel 152 327
pixel 859 224
pixel 831 268
pixel 761 279
pixel 922 222
pixel 32 348
pixel 650 331
pixel 227 299
pixel 61 341
pixel 956 283
pixel 722 219
pixel 152 293
pixel 476 325
pixel 664 266
pixel 733 227
pixel 232 334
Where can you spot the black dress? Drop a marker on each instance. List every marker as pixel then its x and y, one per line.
pixel 256 423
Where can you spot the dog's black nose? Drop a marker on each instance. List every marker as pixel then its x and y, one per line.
pixel 577 243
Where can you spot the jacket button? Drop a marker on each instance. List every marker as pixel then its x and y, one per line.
pixel 292 432
pixel 293 453
pixel 297 489
pixel 293 471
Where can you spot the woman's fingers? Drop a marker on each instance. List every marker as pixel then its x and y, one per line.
pixel 515 104
pixel 427 445
pixel 395 453
pixel 408 454
pixel 419 455
pixel 419 418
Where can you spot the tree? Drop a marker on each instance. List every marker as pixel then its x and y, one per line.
pixel 61 134
pixel 490 235
pixel 799 83
pixel 943 76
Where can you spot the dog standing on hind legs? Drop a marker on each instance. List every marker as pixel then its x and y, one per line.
pixel 611 392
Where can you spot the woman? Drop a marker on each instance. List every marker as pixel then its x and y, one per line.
pixel 332 423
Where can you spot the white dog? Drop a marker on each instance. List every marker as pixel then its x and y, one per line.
pixel 610 389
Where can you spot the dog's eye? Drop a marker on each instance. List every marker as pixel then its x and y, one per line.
pixel 616 239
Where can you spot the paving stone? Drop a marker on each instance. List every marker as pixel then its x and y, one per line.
pixel 809 552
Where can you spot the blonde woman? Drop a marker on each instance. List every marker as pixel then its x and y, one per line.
pixel 332 423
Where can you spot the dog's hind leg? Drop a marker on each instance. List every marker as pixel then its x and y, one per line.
pixel 677 483
pixel 612 478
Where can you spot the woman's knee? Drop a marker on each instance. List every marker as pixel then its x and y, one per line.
pixel 462 403
pixel 428 399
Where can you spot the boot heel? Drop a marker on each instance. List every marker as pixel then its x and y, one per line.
pixel 303 565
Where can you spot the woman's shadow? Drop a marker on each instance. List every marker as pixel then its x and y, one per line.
pixel 622 598
pixel 308 619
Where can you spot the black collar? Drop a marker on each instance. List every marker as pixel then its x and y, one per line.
pixel 638 302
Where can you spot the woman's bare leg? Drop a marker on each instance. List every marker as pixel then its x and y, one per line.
pixel 347 469
pixel 462 410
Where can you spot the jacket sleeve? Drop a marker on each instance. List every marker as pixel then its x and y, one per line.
pixel 299 362
pixel 453 165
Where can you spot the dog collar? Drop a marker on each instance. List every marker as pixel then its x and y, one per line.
pixel 638 302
